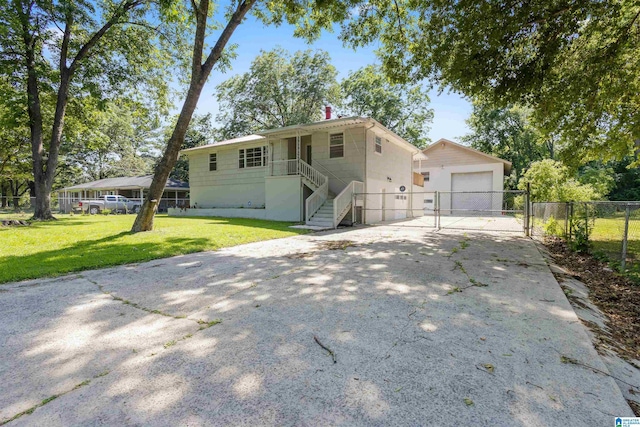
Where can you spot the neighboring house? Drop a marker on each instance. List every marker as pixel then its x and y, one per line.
pixel 451 167
pixel 176 193
pixel 302 173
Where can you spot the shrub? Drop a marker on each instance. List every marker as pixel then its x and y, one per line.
pixel 552 228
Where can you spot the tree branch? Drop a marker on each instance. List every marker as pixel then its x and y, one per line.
pixel 64 51
pixel 201 11
pixel 234 21
pixel 399 21
pixel 84 50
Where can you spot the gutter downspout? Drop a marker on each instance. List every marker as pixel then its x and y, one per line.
pixel 366 165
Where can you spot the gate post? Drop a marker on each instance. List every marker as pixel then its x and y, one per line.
pixel 353 208
pixel 527 210
pixel 437 210
pixel 625 239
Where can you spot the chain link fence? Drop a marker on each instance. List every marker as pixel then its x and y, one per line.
pixel 608 230
pixel 25 204
pixel 464 210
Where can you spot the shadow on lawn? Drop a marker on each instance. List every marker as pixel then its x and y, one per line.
pixel 248 222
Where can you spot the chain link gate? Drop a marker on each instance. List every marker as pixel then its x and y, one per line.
pixel 464 210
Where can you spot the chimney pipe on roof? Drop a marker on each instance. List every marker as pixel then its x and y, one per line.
pixel 327 112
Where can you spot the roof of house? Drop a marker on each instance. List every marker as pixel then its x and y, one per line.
pixel 247 138
pixel 127 182
pixel 494 159
pixel 324 124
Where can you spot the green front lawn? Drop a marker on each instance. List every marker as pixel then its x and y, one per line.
pixel 81 242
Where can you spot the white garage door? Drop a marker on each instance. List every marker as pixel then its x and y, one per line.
pixel 473 181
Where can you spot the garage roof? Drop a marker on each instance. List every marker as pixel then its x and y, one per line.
pixel 507 164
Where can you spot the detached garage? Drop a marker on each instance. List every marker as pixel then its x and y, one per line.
pixel 452 168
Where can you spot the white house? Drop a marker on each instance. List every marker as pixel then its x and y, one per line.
pixel 451 168
pixel 303 173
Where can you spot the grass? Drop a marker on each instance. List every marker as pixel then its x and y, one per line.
pixel 82 242
pixel 606 238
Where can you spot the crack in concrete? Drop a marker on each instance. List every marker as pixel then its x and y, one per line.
pixel 52 398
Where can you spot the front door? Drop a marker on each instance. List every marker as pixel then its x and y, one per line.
pixel 308 151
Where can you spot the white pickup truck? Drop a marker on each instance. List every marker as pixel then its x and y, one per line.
pixel 113 203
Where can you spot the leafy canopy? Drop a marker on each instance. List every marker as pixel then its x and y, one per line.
pixel 506 133
pixel 576 63
pixel 280 89
pixel 283 89
pixel 551 181
pixel 403 108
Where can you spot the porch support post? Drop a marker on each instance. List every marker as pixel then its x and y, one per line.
pixel 297 151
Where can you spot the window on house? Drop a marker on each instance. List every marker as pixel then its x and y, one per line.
pixel 336 145
pixel 378 146
pixel 213 162
pixel 252 157
pixel 428 200
pixel 426 176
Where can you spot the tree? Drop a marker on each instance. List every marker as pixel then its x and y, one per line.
pixel 551 181
pixel 115 141
pixel 402 108
pixel 507 133
pixel 15 179
pixel 599 176
pixel 575 63
pixel 279 90
pixel 62 49
pixel 311 18
pixel 627 180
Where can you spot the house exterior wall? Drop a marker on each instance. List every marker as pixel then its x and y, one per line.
pixel 283 198
pixel 395 163
pixel 229 186
pixel 341 171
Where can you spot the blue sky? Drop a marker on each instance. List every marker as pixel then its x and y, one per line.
pixel 450 109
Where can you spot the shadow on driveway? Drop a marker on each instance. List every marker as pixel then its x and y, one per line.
pixel 427 329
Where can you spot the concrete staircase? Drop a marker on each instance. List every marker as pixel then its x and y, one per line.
pixel 324 217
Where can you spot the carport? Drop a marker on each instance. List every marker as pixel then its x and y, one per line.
pixel 176 192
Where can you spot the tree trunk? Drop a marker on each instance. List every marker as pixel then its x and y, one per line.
pixel 15 193
pixel 3 194
pixel 42 210
pixel 144 220
pixel 199 74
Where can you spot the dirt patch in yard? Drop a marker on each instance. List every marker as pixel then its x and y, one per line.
pixel 617 297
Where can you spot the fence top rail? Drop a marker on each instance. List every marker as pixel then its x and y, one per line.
pixel 355 193
pixel 446 192
pixel 485 192
pixel 594 202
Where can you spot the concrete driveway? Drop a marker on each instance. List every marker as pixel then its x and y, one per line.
pixel 426 328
